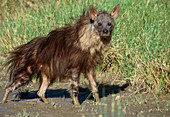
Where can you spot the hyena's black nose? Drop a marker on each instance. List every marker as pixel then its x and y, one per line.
pixel 105 31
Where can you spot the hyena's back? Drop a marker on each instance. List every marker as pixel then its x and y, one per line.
pixel 54 55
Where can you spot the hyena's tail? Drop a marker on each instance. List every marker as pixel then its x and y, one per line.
pixel 22 61
pixel 19 63
pixel 20 66
pixel 13 63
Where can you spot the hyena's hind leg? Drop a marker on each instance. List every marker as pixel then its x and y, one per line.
pixel 75 87
pixel 43 88
pixel 23 77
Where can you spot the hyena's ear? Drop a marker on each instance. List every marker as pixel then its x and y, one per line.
pixel 92 12
pixel 115 12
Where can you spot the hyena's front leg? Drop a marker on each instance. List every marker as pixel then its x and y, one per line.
pixel 75 87
pixel 43 88
pixel 91 77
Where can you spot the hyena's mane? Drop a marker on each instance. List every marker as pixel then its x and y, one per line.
pixel 72 47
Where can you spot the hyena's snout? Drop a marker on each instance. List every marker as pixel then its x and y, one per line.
pixel 106 36
pixel 105 31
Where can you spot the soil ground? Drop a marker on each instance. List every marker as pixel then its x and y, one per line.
pixel 116 100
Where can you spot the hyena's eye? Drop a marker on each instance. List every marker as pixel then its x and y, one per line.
pixel 109 24
pixel 99 24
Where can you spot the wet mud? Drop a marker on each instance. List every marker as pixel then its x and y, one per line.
pixel 117 100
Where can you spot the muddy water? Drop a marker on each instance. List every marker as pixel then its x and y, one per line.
pixel 61 106
pixel 60 103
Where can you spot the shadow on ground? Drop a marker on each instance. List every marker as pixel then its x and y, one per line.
pixel 84 93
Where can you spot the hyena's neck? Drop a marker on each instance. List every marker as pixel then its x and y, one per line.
pixel 89 40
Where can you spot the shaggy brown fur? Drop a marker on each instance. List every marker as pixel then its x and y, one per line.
pixel 63 53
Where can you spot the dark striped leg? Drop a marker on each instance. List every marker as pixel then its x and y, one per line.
pixel 21 79
pixel 75 87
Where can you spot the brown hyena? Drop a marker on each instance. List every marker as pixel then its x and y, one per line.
pixel 64 53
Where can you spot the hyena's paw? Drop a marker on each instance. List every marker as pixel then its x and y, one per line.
pixel 2 102
pixel 76 106
pixel 98 103
pixel 45 102
pixel 44 99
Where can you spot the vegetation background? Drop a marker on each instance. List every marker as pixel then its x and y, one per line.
pixel 140 52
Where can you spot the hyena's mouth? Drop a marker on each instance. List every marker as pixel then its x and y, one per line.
pixel 106 39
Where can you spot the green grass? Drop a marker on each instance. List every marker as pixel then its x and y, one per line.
pixel 140 50
pixel 26 114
